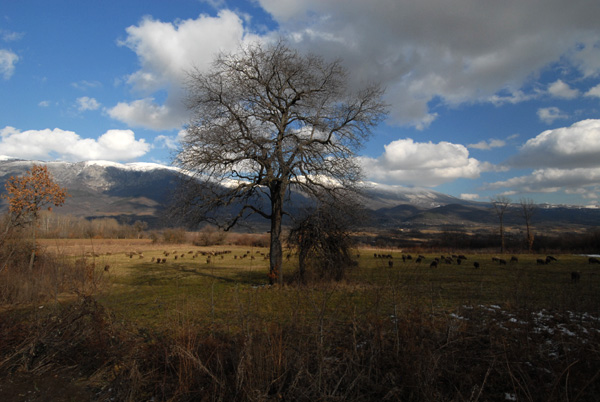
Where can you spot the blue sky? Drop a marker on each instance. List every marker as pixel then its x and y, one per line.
pixel 487 98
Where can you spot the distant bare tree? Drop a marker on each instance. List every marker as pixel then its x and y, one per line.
pixel 139 227
pixel 266 120
pixel 501 204
pixel 528 209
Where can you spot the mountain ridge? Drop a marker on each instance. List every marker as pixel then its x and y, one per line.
pixel 143 190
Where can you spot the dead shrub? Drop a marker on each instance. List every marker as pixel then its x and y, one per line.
pixel 50 275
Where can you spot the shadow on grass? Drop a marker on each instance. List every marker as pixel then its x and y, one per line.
pixel 162 274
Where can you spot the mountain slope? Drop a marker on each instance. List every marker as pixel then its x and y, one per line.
pixel 142 191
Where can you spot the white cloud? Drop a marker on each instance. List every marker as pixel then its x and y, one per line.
pixel 86 103
pixel 470 197
pixel 44 103
pixel 83 84
pixel 167 52
pixel 487 145
pixel 549 114
pixel 146 113
pixel 8 60
pixel 560 89
pixel 577 146
pixel 114 145
pixel 451 51
pixel 552 180
pixel 420 51
pixel 424 164
pixel 9 36
pixel 167 141
pixel 595 91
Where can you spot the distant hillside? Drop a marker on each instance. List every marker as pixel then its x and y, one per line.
pixel 143 190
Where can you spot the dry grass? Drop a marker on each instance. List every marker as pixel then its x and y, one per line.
pixel 191 330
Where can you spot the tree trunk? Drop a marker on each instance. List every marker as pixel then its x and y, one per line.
pixel 502 248
pixel 529 238
pixel 33 246
pixel 276 251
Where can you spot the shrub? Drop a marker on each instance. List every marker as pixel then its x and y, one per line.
pixel 174 236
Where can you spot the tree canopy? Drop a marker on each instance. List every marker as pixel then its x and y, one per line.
pixel 266 120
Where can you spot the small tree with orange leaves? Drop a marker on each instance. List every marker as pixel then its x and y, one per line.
pixel 28 194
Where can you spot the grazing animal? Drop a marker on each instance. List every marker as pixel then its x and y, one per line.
pixel 551 258
pixel 404 258
pixel 593 260
pixel 418 260
pixel 421 256
pixel 106 268
pixel 390 263
pixel 501 261
pixel 409 257
pixel 462 257
pixel 476 265
pixel 514 259
pixel 575 276
pixel 458 261
pixel 433 264
pixel 540 261
pixel 495 259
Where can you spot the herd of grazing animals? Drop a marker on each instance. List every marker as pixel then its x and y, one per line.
pixel 418 259
pixel 575 275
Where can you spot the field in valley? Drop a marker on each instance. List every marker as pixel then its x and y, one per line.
pixel 204 325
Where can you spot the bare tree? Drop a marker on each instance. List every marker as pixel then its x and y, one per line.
pixel 501 204
pixel 268 119
pixel 322 238
pixel 528 209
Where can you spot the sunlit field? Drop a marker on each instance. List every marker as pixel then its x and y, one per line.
pixel 133 281
pixel 202 323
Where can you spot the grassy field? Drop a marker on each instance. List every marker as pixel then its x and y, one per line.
pixel 136 286
pixel 203 325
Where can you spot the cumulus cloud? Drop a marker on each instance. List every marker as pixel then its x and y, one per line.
pixel 549 114
pixel 86 103
pixel 424 164
pixel 446 50
pixel 487 145
pixel 577 146
pixel 8 59
pixel 147 113
pixel 167 51
pixel 114 145
pixel 44 103
pixel 560 89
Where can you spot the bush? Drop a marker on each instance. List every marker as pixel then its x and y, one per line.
pixel 174 236
pixel 210 236
pixel 50 275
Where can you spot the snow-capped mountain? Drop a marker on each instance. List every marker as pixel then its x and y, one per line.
pixel 143 190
